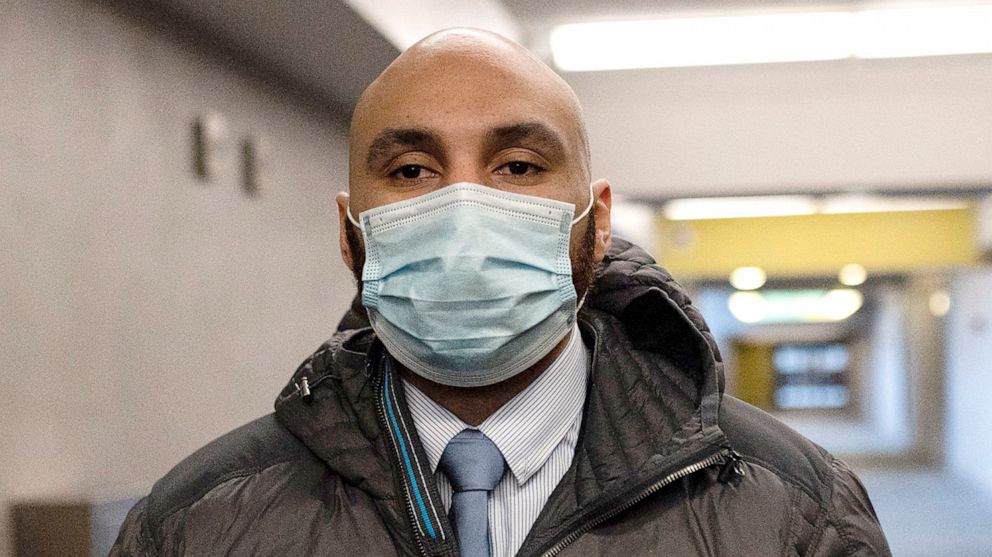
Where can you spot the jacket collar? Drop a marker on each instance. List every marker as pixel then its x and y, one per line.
pixel 337 418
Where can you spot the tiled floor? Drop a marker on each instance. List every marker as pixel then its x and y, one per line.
pixel 929 513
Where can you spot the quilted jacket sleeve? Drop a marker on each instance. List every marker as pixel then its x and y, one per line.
pixel 133 540
pixel 851 528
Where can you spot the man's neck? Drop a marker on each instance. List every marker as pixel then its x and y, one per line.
pixel 473 405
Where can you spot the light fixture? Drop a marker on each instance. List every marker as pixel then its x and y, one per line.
pixel 781 37
pixel 841 303
pixel 940 303
pixel 739 207
pixel 922 31
pixel 748 307
pixel 852 274
pixel 748 278
pixel 634 221
pixel 703 208
pixel 795 306
pixel 866 203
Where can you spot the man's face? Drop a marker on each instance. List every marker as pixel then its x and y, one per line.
pixel 448 117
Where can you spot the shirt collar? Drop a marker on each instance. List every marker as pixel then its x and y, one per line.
pixel 528 427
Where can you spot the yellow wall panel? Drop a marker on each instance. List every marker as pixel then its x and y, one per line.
pixel 819 244
pixel 755 373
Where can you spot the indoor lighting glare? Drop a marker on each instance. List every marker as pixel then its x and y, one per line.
pixel 748 307
pixel 707 41
pixel 634 221
pixel 800 205
pixel 795 306
pixel 785 37
pixel 739 207
pixel 940 303
pixel 923 31
pixel 852 274
pixel 866 203
pixel 841 303
pixel 748 278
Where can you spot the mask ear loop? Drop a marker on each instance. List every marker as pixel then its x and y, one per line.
pixel 575 220
pixel 587 209
pixel 351 218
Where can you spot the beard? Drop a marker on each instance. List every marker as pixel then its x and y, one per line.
pixel 585 268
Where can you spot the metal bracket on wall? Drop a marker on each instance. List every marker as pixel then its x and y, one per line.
pixel 209 133
pixel 254 159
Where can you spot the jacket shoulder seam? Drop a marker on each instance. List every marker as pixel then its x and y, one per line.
pixel 232 475
pixel 850 543
pixel 824 517
pixel 798 486
pixel 788 478
pixel 145 537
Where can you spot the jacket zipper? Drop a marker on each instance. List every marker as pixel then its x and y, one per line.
pixel 725 456
pixel 411 512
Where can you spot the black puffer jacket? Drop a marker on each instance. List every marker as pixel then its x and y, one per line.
pixel 665 464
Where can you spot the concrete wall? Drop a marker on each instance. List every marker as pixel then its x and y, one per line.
pixel 142 312
pixel 969 377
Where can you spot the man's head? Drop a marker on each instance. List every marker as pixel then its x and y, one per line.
pixel 470 106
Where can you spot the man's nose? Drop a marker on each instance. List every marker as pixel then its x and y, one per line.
pixel 467 171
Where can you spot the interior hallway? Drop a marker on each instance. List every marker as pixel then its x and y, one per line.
pixel 930 513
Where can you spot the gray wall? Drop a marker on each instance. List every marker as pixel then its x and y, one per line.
pixel 969 377
pixel 142 312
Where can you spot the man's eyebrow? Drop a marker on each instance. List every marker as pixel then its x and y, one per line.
pixel 536 134
pixel 389 140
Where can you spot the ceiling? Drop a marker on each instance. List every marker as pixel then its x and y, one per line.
pixel 908 125
pixel 327 47
pixel 323 47
pixel 541 14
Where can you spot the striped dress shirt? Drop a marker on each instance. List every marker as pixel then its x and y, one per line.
pixel 536 431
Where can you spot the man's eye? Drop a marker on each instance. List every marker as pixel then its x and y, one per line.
pixel 411 171
pixel 519 168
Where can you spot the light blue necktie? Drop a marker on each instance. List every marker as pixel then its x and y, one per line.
pixel 473 465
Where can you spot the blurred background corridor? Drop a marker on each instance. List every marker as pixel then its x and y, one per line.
pixel 818 174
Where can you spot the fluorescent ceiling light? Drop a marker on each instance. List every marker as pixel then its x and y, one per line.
pixel 795 306
pixel 798 205
pixel 923 31
pixel 739 207
pixel 940 303
pixel 852 274
pixel 748 307
pixel 666 43
pixel 784 37
pixel 840 303
pixel 634 221
pixel 748 278
pixel 860 203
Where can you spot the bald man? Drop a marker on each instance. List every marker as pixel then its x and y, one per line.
pixel 511 379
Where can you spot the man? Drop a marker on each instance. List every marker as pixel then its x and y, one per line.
pixel 529 385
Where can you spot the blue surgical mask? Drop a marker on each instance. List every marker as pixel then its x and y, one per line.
pixel 469 285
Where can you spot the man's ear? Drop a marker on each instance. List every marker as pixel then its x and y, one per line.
pixel 601 206
pixel 342 200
